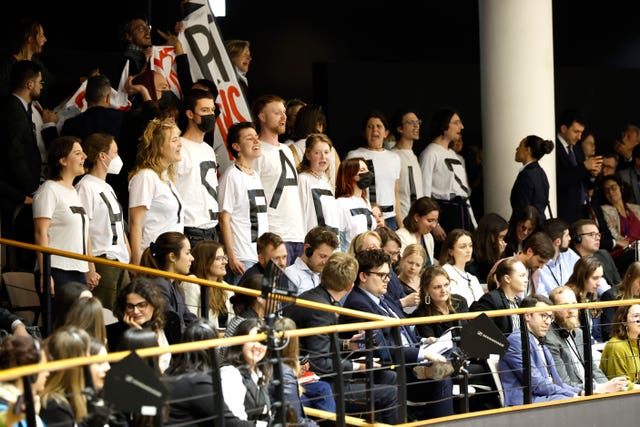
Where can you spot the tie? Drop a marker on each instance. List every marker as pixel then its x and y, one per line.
pixel 572 156
pixel 406 334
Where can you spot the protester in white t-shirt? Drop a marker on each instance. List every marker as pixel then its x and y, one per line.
pixel 59 218
pixel 385 166
pixel 197 179
pixel 243 205
pixel 355 211
pixel 155 205
pixel 108 235
pixel 319 205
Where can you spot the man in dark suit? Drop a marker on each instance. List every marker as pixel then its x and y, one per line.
pixel 369 296
pixel 336 281
pixel 564 340
pixel 20 157
pixel 573 171
pixel 99 115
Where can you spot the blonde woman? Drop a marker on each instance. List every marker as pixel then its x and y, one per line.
pixel 155 206
pixel 410 268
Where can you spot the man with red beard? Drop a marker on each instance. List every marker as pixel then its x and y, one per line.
pixel 564 341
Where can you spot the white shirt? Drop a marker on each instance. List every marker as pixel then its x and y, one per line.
pixel 464 284
pixel 301 276
pixel 440 168
pixel 197 183
pixel 319 206
pixel 356 217
pixel 410 179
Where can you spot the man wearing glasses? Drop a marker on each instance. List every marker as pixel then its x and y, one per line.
pixel 586 239
pixel 546 384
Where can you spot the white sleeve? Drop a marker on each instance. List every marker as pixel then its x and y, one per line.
pixel 86 196
pixel 142 187
pixel 233 390
pixel 427 166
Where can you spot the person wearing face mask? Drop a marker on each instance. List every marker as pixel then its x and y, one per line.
pixel 352 180
pixel 106 225
pixel 197 180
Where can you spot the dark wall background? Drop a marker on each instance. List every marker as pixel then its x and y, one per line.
pixel 351 56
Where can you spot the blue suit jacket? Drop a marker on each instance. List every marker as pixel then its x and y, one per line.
pixel 543 388
pixel 570 182
pixel 358 300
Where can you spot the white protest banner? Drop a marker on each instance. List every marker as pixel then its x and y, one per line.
pixel 208 59
pixel 163 60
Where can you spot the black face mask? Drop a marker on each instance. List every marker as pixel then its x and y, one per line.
pixel 366 179
pixel 207 123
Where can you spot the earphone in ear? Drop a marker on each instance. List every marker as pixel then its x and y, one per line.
pixel 308 252
pixel 578 239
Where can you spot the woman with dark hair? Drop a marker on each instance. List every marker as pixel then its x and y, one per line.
pixel 421 220
pixel 106 227
pixel 621 355
pixel 628 288
pixel 586 277
pixel 522 224
pixel 488 245
pixel 384 164
pixel 245 377
pixel 209 262
pixel 455 254
pixel 623 219
pixel 316 184
pixel 352 180
pixel 190 384
pixel 60 220
pixel 531 187
pixel 171 252
pixel 139 305
pixel 66 297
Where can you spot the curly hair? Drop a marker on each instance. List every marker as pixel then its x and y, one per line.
pixel 149 156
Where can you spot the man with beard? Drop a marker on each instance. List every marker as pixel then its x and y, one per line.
pixel 277 171
pixel 546 384
pixel 558 269
pixel 564 340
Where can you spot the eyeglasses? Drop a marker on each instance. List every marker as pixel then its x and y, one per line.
pixel 546 317
pixel 222 258
pixel 140 306
pixel 382 276
pixel 593 234
pixel 413 122
pixel 611 188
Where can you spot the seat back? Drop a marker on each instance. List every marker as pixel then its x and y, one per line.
pixel 109 317
pixel 492 361
pixel 22 295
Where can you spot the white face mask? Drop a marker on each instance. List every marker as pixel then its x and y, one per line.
pixel 115 166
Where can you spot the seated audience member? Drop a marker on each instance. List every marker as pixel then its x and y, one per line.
pixel 621 353
pixel 66 296
pixel 629 177
pixel 244 379
pixel 271 247
pixel 546 384
pixel 417 226
pixel 190 384
pixel 586 239
pixel 557 270
pixel 319 244
pixel 436 299
pixel 522 224
pixel 171 252
pixel 565 343
pixel 488 245
pixel 368 296
pixel 88 314
pixel 511 277
pixel 139 305
pixel 336 280
pixel 365 241
pixel 628 288
pixel 586 277
pixel 209 262
pixel 455 253
pixel 410 268
pixel 622 219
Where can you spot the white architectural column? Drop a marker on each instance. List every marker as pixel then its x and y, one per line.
pixel 517 92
